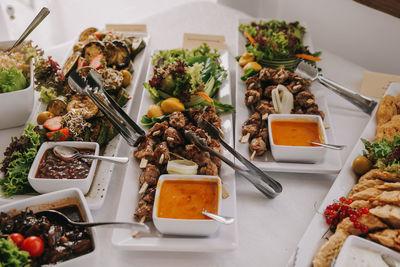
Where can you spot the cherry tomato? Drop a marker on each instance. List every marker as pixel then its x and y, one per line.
pixel 17 239
pixel 34 245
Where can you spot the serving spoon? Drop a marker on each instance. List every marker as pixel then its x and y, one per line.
pixel 330 146
pixel 35 22
pixel 128 225
pixel 218 218
pixel 68 153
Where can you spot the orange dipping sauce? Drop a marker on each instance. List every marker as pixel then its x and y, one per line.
pixel 295 132
pixel 186 199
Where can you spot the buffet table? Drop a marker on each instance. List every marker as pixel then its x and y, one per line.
pixel 269 230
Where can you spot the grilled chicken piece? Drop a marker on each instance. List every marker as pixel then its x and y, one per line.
pixel 145 149
pixel 149 175
pixel 172 136
pixel 258 146
pixel 161 153
pixel 144 210
pixel 177 120
pixel 251 97
pixel 305 99
pixel 158 129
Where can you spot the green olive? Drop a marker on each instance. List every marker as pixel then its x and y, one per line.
pixel 44 116
pixel 361 165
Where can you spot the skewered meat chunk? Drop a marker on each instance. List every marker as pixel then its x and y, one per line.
pixel 305 99
pixel 313 110
pixel 172 136
pixel 144 209
pixel 263 133
pixel 149 175
pixel 158 129
pixel 215 145
pixel 251 97
pixel 177 120
pixel 209 169
pixel 250 129
pixel 265 107
pixel 191 150
pixel 258 145
pixel 189 127
pixel 280 77
pixel 149 195
pixel 213 118
pixel 268 91
pixel 255 118
pixel 295 87
pixel 161 153
pixel 297 110
pixel 266 74
pixel 253 83
pixel 145 148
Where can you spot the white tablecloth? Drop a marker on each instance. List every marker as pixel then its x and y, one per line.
pixel 269 230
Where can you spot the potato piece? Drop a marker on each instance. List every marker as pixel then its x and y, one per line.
pixel 127 78
pixel 252 65
pixel 44 116
pixel 154 111
pixel 246 58
pixel 57 107
pixel 172 104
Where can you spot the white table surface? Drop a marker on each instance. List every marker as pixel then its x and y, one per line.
pixel 269 230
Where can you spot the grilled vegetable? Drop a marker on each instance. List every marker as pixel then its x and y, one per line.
pixel 70 63
pixel 122 55
pixel 122 97
pixel 84 36
pixel 102 138
pixel 84 104
pixel 92 50
pixel 53 124
pixel 138 45
pixel 57 107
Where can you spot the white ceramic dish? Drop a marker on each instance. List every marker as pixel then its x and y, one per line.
pixel 358 242
pixel 96 195
pixel 331 163
pixel 46 185
pixel 226 238
pixel 306 154
pixel 201 227
pixel 55 200
pixel 315 234
pixel 19 103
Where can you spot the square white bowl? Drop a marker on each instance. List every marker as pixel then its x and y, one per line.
pixel 304 154
pixel 358 242
pixel 18 103
pixel 46 185
pixel 55 200
pixel 190 227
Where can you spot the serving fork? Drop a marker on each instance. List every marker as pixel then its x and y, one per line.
pixel 308 71
pixel 263 182
pixel 94 89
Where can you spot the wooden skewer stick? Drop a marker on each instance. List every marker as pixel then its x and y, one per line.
pixel 225 193
pixel 245 138
pixel 326 125
pixel 143 188
pixel 265 117
pixel 143 163
pixel 136 233
pixel 253 155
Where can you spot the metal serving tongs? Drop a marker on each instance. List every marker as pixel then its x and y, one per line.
pixel 264 183
pixel 93 87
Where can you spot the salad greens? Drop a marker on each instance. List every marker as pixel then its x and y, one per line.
pixel 384 154
pixel 276 40
pixel 12 80
pixel 186 74
pixel 11 256
pixel 18 159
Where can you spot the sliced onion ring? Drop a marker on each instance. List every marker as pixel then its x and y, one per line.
pixel 182 166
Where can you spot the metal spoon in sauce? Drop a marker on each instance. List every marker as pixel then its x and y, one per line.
pixel 68 153
pixel 61 216
pixel 219 218
pixel 330 146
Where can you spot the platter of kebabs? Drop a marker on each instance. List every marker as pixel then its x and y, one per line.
pixel 268 52
pixel 182 87
pixel 363 201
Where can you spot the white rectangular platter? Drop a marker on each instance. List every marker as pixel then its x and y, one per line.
pixel 313 238
pixel 224 239
pixel 98 190
pixel 331 163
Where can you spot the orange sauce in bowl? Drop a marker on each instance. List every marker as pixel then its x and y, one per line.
pixel 295 132
pixel 186 199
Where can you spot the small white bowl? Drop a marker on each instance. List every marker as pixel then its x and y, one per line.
pixel 304 154
pixel 190 227
pixel 55 200
pixel 347 251
pixel 46 185
pixel 18 103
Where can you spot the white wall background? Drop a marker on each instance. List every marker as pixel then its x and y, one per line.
pixel 363 35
